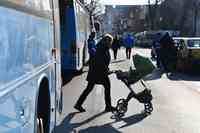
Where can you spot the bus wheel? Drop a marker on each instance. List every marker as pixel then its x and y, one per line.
pixel 40 126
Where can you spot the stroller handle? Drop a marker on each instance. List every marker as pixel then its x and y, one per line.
pixel 143 83
pixel 125 82
pixel 123 77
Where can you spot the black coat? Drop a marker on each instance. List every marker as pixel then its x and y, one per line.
pixel 98 70
pixel 115 44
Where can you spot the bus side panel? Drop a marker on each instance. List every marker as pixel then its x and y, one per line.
pixel 68 40
pixel 17 109
pixel 87 33
pixel 26 43
pixel 52 79
pixel 74 37
pixel 57 44
pixel 80 32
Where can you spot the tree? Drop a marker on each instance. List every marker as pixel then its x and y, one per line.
pixel 96 9
pixel 179 15
pixel 174 15
pixel 153 16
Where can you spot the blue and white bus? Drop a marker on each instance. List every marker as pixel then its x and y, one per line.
pixel 30 71
pixel 75 29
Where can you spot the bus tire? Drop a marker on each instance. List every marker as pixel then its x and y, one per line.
pixel 43 108
pixel 40 126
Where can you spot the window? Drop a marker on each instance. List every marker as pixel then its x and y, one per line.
pixel 194 43
pixel 3 43
pixel 38 5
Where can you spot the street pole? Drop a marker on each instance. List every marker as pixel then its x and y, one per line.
pixel 196 8
pixel 195 20
pixel 149 15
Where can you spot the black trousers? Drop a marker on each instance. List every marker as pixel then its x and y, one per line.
pixel 90 86
pixel 128 53
pixel 115 53
pixel 158 58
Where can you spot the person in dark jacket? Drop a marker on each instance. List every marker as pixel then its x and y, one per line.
pixel 98 73
pixel 168 53
pixel 156 48
pixel 115 46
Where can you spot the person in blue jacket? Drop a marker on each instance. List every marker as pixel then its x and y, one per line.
pixel 128 43
pixel 91 46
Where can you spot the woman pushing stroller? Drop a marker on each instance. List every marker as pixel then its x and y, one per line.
pixel 98 73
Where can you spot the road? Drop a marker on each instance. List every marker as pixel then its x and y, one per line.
pixel 176 104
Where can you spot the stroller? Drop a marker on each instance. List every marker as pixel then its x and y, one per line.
pixel 144 96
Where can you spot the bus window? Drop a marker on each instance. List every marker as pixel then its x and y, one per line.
pixel 39 5
pixel 3 49
pixel 3 44
pixel 74 34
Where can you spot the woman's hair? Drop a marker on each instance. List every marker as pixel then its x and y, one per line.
pixel 105 40
pixel 108 36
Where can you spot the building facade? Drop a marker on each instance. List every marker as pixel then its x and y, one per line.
pixel 124 18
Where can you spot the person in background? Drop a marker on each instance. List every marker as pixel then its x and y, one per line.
pixel 98 73
pixel 128 43
pixel 91 46
pixel 156 49
pixel 115 46
pixel 168 53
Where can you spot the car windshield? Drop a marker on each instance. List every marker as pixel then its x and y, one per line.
pixel 194 43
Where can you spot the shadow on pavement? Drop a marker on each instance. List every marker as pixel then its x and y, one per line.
pixel 118 61
pixel 108 128
pixel 156 74
pixel 133 119
pixel 67 76
pixel 67 127
pixel 182 76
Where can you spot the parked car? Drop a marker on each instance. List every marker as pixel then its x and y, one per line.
pixel 188 53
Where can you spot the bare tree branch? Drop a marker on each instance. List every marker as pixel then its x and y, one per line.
pixel 95 8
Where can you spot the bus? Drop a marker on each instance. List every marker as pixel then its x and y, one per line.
pixel 30 66
pixel 76 26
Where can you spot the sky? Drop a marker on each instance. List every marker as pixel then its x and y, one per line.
pixel 125 2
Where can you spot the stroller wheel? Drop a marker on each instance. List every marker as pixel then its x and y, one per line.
pixel 148 108
pixel 121 107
